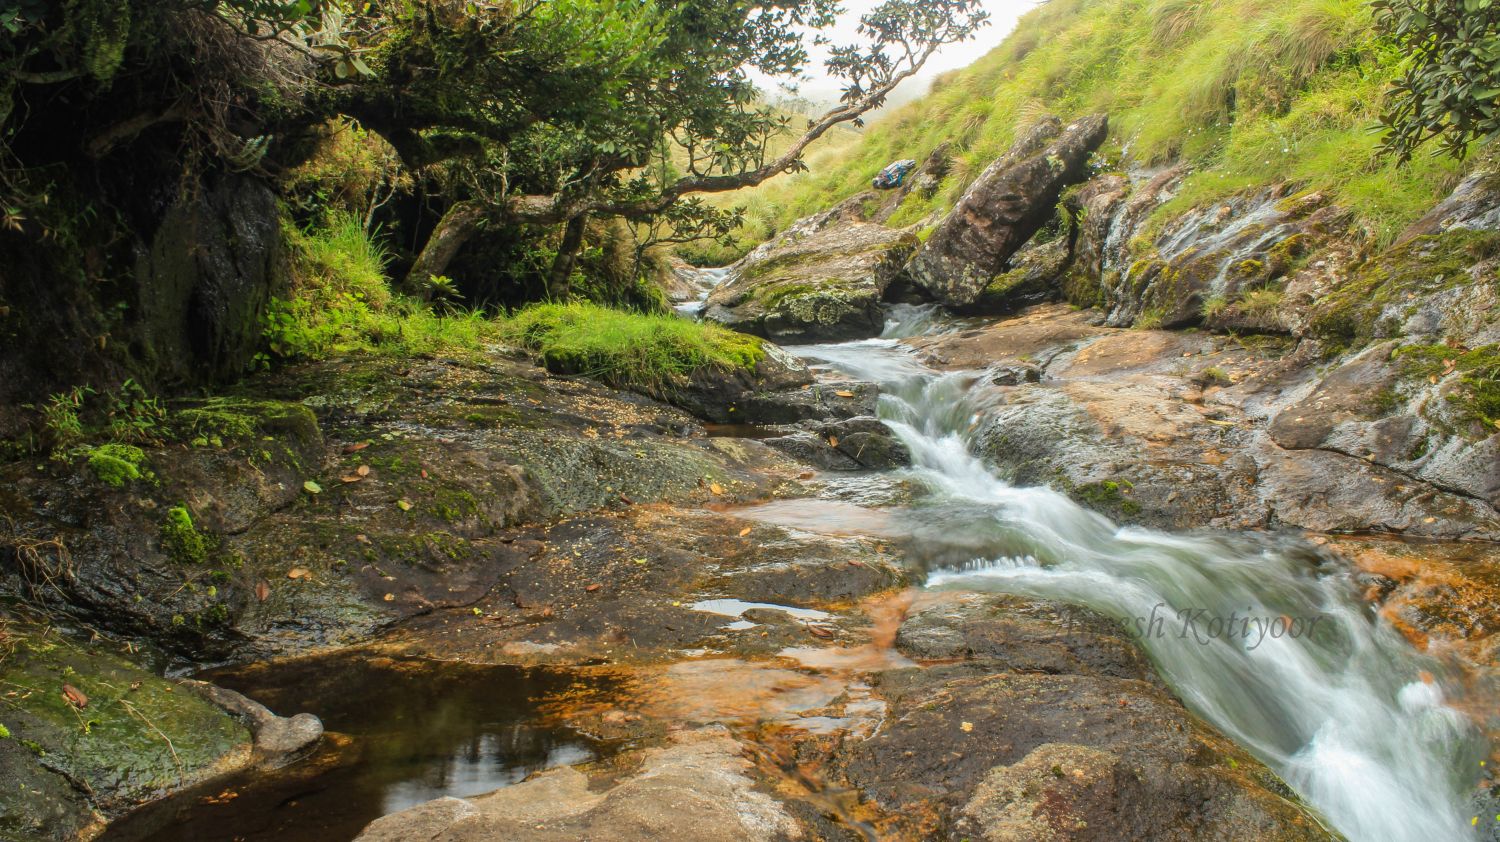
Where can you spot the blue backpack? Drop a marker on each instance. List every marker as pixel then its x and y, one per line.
pixel 893 174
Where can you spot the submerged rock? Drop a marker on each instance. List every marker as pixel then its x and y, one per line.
pixel 822 280
pixel 1003 208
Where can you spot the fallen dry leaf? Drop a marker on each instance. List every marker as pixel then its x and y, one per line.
pixel 966 727
pixel 844 393
pixel 75 697
pixel 403 505
pixel 744 532
pixel 810 474
pixel 716 488
pixel 356 447
pixel 299 573
pixel 594 587
pixel 363 470
pixel 820 631
pixel 390 597
pixel 350 478
pixel 424 473
pixel 262 590
pixel 833 441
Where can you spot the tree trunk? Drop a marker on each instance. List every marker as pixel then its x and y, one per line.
pixel 458 224
pixel 559 278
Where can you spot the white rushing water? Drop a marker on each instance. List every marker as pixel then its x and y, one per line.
pixel 1339 704
pixel 704 281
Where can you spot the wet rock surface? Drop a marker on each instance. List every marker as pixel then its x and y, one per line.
pixel 822 280
pixel 379 496
pixel 1181 430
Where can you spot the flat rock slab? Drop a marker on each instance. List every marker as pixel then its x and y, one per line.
pixel 696 787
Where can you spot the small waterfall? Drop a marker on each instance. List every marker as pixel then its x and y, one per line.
pixel 1262 636
pixel 704 281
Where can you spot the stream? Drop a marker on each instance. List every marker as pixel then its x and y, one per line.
pixel 1263 636
pixel 1337 703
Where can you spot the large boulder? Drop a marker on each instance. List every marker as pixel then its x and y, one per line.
pixel 1004 207
pixel 821 280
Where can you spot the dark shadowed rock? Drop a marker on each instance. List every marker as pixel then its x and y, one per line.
pixel 862 443
pixel 1004 207
pixel 821 280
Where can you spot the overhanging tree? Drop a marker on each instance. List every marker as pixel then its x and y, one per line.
pixel 552 112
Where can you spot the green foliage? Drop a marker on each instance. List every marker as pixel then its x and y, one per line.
pixel 181 539
pixel 341 302
pixel 116 464
pixel 627 349
pixel 60 416
pixel 1246 92
pixel 1449 88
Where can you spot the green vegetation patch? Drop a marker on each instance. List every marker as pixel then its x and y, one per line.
pixel 117 464
pixel 1477 400
pixel 181 538
pixel 1247 93
pixel 627 349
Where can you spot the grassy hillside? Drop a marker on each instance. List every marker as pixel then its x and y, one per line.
pixel 1247 92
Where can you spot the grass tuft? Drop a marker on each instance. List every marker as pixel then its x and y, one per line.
pixel 624 349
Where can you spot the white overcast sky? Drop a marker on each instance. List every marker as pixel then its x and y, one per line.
pixel 1003 16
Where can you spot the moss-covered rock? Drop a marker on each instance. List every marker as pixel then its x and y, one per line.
pixel 821 280
pixel 229 555
pixel 91 736
pixel 1441 285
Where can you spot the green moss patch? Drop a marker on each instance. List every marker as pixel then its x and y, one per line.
pixel 126 734
pixel 1419 267
pixel 628 349
pixel 181 539
pixel 117 464
pixel 1477 399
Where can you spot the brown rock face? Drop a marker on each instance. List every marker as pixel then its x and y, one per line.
pixel 1011 199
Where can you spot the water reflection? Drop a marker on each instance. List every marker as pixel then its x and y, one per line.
pixel 411 731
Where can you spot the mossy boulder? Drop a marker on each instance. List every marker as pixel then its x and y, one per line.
pixel 92 736
pixel 1437 286
pixel 1224 264
pixel 820 281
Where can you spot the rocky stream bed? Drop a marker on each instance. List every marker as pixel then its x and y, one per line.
pixel 898 583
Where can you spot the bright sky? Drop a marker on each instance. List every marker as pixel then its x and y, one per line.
pixel 1003 16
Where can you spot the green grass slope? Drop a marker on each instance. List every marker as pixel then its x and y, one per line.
pixel 1246 92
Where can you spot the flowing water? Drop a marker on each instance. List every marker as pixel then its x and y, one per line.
pixel 1262 636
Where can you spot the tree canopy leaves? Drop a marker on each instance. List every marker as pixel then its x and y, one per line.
pixel 1450 90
